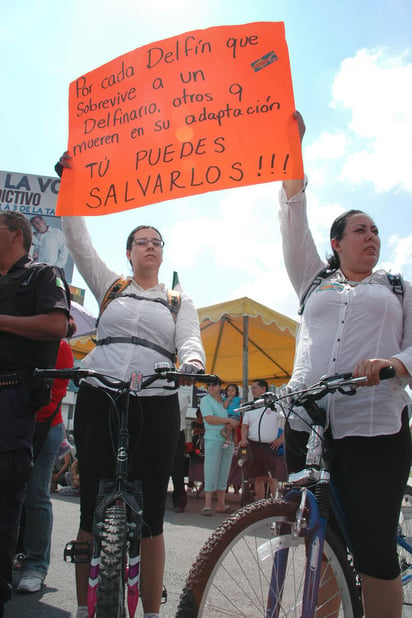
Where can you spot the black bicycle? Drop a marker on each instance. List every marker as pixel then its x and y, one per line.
pixel 115 556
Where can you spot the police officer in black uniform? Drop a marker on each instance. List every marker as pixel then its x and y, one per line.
pixel 34 315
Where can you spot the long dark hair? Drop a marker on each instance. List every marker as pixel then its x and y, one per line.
pixel 336 232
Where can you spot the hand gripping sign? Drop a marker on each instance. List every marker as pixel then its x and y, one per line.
pixel 203 111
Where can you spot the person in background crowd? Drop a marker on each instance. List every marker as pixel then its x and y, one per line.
pixel 37 519
pixel 48 243
pixel 137 329
pixel 354 322
pixel 179 496
pixel 231 402
pixel 33 318
pixel 198 432
pixel 261 431
pixel 61 468
pixel 217 459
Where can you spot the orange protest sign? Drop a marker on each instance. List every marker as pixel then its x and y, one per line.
pixel 203 111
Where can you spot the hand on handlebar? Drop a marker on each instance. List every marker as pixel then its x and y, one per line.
pixel 370 368
pixel 187 368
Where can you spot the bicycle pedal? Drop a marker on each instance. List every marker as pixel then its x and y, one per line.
pixel 164 596
pixel 78 552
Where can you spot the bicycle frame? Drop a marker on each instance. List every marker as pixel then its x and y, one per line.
pixel 119 491
pixel 314 532
pixel 315 508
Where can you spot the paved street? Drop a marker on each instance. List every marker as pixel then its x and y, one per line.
pixel 184 534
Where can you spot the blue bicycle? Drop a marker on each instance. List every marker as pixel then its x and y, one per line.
pixel 276 558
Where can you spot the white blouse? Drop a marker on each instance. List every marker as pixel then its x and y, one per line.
pixel 127 317
pixel 342 324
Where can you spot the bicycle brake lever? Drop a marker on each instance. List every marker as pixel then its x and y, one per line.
pixel 350 391
pixel 270 398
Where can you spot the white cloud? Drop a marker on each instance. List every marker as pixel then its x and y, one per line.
pixel 377 89
pixel 239 232
pixel 328 146
pixel 239 244
pixel 326 150
pixel 273 289
pixel 400 259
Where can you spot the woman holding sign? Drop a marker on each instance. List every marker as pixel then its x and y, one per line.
pixel 154 416
pixel 355 320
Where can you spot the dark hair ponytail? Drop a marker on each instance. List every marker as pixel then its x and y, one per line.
pixel 336 232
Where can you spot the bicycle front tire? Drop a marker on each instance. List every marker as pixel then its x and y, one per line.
pixel 230 578
pixel 111 587
pixel 405 558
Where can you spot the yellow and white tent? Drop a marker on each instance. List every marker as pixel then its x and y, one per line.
pixel 245 341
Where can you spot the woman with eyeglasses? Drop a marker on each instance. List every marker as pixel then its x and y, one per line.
pixel 137 329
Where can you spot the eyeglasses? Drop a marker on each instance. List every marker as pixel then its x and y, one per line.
pixel 8 227
pixel 143 242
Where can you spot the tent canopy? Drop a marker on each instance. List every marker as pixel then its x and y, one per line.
pixel 85 321
pixel 82 345
pixel 245 341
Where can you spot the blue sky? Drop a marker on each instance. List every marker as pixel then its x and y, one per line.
pixel 351 67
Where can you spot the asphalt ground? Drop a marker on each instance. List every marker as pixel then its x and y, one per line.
pixel 184 535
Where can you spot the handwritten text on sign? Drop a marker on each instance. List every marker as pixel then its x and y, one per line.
pixel 203 111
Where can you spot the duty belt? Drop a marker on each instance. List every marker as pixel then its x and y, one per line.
pixel 12 378
pixel 138 341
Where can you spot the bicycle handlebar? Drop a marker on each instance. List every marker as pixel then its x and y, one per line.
pixel 137 382
pixel 327 384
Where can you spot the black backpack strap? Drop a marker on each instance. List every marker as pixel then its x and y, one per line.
pixel 321 276
pixel 116 290
pixel 394 279
pixel 173 302
pixel 138 341
pixel 396 283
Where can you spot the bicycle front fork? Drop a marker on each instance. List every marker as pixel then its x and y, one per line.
pixel 133 499
pixel 311 526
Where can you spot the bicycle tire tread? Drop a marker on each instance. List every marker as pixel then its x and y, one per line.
pixel 197 580
pixel 204 563
pixel 110 592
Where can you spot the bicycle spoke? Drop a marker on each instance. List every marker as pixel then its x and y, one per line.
pixel 236 573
